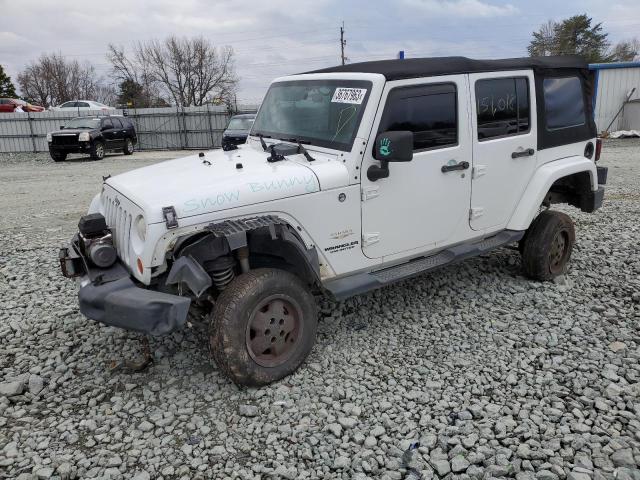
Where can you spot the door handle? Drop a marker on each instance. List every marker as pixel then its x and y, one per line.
pixel 457 166
pixel 525 153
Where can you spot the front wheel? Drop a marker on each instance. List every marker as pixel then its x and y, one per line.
pixel 58 156
pixel 97 150
pixel 546 247
pixel 128 147
pixel 262 327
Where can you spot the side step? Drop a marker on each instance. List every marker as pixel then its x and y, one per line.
pixel 346 287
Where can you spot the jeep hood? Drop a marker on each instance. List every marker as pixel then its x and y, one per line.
pixel 221 180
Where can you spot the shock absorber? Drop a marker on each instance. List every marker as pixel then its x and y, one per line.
pixel 222 271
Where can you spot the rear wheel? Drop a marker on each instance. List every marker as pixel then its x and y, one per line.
pixel 262 327
pixel 97 150
pixel 128 147
pixel 58 156
pixel 547 245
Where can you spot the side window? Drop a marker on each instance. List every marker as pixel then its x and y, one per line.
pixel 502 106
pixel 106 123
pixel 429 111
pixel 68 105
pixel 82 104
pixel 117 123
pixel 563 102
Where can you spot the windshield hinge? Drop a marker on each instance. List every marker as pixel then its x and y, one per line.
pixel 370 238
pixel 368 193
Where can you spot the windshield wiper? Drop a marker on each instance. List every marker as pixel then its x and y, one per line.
pixel 262 142
pixel 306 154
pixel 301 149
pixel 295 140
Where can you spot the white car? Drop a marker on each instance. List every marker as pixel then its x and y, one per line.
pixel 352 178
pixel 83 105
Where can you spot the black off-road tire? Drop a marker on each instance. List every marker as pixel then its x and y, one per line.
pixel 97 150
pixel 547 245
pixel 58 156
pixel 128 147
pixel 237 310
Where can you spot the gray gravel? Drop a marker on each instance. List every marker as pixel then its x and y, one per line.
pixel 479 371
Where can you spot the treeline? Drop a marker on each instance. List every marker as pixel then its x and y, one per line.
pixel 174 71
pixel 578 35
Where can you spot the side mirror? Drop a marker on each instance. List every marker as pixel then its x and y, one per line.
pixel 104 127
pixel 61 127
pixel 390 146
pixel 394 146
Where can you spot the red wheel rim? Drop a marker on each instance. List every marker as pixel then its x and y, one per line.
pixel 274 330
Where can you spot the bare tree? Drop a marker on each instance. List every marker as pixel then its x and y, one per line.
pixel 52 80
pixel 189 71
pixel 626 50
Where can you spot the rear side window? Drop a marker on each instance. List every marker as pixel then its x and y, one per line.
pixel 502 106
pixel 429 111
pixel 563 102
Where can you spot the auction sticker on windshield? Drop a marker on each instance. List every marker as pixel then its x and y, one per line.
pixel 349 95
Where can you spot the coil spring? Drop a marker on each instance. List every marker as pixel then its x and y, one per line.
pixel 222 278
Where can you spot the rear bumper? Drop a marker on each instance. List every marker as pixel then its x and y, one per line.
pixel 593 200
pixel 110 296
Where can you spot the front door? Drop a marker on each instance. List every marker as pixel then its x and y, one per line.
pixel 420 205
pixel 504 145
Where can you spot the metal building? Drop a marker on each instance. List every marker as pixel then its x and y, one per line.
pixel 614 82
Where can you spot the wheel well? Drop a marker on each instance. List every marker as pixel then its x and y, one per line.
pixel 572 189
pixel 273 246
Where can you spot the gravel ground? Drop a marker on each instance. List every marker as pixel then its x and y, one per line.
pixel 470 372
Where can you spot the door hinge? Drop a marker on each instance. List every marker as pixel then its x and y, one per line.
pixel 478 171
pixel 370 238
pixel 368 193
pixel 475 212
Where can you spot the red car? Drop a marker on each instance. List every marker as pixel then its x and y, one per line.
pixel 11 104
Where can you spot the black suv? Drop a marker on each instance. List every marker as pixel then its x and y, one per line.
pixel 93 135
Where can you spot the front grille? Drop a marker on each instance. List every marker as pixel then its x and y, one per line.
pixel 119 220
pixel 65 139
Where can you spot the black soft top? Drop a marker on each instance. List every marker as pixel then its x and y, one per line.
pixel 425 67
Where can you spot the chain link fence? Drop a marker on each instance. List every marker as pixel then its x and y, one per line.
pixel 157 128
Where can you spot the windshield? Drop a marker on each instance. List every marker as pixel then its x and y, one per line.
pixel 240 123
pixel 321 112
pixel 83 123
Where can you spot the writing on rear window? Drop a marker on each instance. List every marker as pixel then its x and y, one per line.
pixel 349 95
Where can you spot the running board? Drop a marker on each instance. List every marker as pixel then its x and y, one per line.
pixel 346 287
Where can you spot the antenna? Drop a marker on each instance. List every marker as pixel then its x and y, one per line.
pixel 343 42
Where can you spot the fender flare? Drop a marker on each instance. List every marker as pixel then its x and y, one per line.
pixel 237 234
pixel 539 185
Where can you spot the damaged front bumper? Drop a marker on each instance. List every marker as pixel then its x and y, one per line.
pixel 110 296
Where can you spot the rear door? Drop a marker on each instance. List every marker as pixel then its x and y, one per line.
pixel 504 144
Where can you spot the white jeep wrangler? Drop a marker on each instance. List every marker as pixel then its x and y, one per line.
pixel 352 178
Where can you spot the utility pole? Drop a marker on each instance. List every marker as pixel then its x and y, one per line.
pixel 343 42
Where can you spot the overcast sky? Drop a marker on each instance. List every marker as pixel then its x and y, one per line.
pixel 276 37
